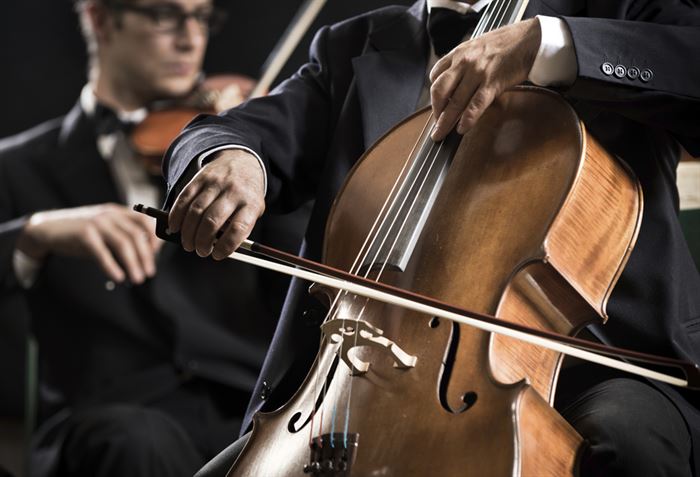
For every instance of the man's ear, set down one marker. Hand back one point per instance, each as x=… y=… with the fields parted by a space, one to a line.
x=100 y=20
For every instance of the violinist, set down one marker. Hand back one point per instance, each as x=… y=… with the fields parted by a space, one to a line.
x=141 y=374
x=622 y=64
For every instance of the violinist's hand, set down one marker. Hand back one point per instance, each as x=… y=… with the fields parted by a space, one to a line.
x=229 y=188
x=121 y=241
x=467 y=79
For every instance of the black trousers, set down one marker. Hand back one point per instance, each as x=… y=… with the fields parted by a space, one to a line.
x=173 y=435
x=631 y=429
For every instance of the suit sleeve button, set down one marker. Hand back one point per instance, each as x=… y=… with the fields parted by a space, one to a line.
x=633 y=73
x=646 y=75
x=607 y=68
x=620 y=71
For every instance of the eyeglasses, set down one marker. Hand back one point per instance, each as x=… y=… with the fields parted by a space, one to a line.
x=168 y=18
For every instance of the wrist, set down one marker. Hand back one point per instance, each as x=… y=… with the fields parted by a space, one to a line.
x=31 y=239
x=533 y=39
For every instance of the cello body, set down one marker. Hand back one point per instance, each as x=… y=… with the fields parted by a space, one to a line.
x=533 y=223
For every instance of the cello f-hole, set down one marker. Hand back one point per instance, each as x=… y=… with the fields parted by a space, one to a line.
x=291 y=425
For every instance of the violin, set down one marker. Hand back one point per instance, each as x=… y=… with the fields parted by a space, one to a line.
x=151 y=137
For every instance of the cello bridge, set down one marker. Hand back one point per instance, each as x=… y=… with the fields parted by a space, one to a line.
x=351 y=334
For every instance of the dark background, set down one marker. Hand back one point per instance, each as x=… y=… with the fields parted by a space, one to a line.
x=44 y=62
x=44 y=68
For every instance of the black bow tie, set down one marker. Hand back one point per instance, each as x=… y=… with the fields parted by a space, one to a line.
x=107 y=121
x=447 y=28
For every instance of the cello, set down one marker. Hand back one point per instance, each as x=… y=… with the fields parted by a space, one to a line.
x=429 y=386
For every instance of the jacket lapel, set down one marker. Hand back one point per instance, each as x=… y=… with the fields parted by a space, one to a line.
x=81 y=175
x=389 y=79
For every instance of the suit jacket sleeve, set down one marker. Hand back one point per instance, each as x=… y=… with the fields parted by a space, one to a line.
x=661 y=36
x=288 y=129
x=10 y=228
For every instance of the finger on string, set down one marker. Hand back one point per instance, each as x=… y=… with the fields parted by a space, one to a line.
x=479 y=103
x=461 y=97
x=442 y=89
x=440 y=66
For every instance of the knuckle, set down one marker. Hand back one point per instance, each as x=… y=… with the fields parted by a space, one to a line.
x=240 y=227
x=91 y=231
x=197 y=207
x=210 y=223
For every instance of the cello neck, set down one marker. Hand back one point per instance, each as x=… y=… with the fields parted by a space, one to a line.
x=499 y=13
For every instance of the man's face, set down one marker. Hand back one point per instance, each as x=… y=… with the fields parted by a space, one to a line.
x=150 y=48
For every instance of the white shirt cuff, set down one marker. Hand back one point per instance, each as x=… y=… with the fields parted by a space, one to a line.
x=202 y=157
x=555 y=63
x=26 y=268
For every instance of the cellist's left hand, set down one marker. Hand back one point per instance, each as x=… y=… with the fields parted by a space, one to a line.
x=467 y=79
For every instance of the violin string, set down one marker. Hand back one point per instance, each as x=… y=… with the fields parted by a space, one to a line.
x=366 y=246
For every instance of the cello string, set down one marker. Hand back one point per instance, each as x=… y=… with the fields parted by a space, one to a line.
x=503 y=11
x=376 y=226
x=385 y=260
x=484 y=20
x=498 y=8
x=491 y=20
x=497 y=20
x=421 y=158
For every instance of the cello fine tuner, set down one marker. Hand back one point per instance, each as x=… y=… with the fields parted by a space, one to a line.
x=332 y=454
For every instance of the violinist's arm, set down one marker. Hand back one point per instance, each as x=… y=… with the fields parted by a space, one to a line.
x=119 y=240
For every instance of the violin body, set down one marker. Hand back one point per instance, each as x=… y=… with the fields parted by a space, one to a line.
x=533 y=223
x=152 y=136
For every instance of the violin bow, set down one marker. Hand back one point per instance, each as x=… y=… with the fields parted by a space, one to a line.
x=310 y=270
x=286 y=45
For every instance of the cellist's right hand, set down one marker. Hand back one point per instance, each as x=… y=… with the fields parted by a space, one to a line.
x=229 y=188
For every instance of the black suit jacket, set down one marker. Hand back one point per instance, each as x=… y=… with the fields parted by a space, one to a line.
x=365 y=74
x=194 y=318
